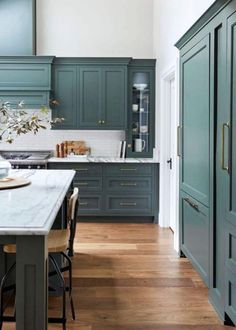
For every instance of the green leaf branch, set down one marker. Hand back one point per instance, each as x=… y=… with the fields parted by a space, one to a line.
x=15 y=122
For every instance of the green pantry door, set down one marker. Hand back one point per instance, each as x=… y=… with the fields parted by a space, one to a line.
x=229 y=165
x=195 y=160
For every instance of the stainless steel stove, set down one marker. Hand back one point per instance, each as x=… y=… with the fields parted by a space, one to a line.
x=27 y=159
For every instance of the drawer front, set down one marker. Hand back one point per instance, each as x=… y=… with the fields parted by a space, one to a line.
x=128 y=170
x=129 y=205
x=133 y=184
x=82 y=170
x=195 y=233
x=90 y=204
x=88 y=184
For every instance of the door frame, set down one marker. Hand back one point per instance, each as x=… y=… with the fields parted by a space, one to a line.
x=171 y=73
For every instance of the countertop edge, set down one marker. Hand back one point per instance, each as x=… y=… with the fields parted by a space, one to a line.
x=41 y=231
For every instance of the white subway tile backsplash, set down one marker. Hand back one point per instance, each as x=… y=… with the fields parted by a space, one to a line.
x=102 y=143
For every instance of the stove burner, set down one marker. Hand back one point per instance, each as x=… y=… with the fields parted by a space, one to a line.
x=15 y=156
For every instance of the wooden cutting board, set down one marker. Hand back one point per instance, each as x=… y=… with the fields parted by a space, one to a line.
x=10 y=183
x=78 y=147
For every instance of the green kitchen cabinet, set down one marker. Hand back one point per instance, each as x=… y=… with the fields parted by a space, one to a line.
x=229 y=167
x=65 y=92
x=195 y=227
x=25 y=78
x=90 y=97
x=116 y=190
x=100 y=88
x=141 y=108
x=195 y=116
x=18 y=27
x=207 y=148
x=114 y=102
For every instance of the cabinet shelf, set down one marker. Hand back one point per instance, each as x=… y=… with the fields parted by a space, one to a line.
x=142 y=112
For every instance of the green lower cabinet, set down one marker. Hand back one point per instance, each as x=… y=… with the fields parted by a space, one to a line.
x=195 y=234
x=129 y=205
x=133 y=192
x=90 y=204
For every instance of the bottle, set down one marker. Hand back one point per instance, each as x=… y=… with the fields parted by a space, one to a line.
x=57 y=151
x=72 y=152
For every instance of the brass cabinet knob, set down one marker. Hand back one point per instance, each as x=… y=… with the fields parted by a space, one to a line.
x=103 y=121
x=129 y=145
x=99 y=122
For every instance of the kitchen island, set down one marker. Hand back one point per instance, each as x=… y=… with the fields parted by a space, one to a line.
x=26 y=217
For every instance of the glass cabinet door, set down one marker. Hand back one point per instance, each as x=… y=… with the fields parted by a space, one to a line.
x=140 y=113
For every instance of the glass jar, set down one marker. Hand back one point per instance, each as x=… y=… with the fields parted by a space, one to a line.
x=5 y=167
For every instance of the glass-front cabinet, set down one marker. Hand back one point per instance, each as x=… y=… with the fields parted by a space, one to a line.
x=141 y=108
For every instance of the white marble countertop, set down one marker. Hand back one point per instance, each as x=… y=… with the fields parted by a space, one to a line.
x=91 y=159
x=31 y=210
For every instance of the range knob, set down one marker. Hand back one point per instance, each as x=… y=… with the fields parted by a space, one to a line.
x=29 y=167
x=38 y=167
x=17 y=166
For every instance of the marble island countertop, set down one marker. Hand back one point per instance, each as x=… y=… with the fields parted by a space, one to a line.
x=100 y=159
x=31 y=210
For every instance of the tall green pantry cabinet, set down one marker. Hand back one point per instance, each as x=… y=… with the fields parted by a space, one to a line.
x=207 y=151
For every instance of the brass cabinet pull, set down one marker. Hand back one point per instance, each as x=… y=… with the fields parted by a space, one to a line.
x=81 y=169
x=128 y=184
x=223 y=166
x=128 y=169
x=178 y=141
x=128 y=204
x=83 y=183
x=83 y=204
x=195 y=206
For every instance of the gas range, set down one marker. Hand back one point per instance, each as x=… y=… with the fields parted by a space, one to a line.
x=27 y=159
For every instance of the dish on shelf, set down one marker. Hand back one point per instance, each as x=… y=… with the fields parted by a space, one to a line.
x=140 y=87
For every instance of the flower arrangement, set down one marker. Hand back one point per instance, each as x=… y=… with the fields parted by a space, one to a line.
x=15 y=122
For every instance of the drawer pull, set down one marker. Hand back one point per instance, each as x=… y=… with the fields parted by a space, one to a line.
x=83 y=183
x=81 y=169
x=193 y=205
x=83 y=204
x=128 y=204
x=129 y=184
x=128 y=169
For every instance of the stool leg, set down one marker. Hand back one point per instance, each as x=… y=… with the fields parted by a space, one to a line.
x=64 y=290
x=70 y=285
x=3 y=282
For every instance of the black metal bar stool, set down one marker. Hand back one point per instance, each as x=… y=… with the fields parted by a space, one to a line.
x=60 y=242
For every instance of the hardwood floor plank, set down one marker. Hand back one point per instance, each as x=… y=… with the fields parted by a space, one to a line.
x=128 y=277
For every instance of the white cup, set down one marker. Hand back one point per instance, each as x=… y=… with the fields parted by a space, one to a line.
x=143 y=129
x=135 y=107
x=139 y=145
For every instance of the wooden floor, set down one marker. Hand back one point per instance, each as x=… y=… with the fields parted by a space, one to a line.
x=129 y=277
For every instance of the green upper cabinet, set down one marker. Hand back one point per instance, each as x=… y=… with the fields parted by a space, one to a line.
x=141 y=108
x=114 y=109
x=90 y=97
x=65 y=92
x=18 y=27
x=25 y=78
x=195 y=119
x=100 y=89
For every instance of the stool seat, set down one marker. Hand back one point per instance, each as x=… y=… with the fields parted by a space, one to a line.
x=57 y=242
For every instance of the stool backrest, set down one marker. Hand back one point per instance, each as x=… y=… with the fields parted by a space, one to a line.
x=72 y=217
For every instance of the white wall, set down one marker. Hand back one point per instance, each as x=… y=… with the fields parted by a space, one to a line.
x=93 y=28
